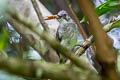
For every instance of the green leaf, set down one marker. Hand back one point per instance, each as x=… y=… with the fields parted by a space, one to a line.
x=3 y=39
x=110 y=26
x=105 y=7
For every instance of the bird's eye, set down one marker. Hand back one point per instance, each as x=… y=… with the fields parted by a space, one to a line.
x=64 y=15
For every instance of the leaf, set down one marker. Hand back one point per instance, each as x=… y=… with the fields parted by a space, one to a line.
x=105 y=7
x=3 y=39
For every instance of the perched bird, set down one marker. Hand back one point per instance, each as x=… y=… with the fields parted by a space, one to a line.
x=67 y=32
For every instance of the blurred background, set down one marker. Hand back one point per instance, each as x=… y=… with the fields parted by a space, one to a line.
x=16 y=46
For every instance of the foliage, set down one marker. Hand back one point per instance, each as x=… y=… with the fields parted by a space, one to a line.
x=106 y=7
x=41 y=69
x=3 y=39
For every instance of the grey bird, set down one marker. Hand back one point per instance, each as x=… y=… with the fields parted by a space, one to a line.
x=67 y=32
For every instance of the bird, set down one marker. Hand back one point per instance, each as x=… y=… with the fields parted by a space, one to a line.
x=67 y=32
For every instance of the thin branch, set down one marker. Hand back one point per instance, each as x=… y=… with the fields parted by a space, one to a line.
x=39 y=14
x=74 y=17
x=87 y=43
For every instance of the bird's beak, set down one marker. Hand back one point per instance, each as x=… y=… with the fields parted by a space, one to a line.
x=51 y=17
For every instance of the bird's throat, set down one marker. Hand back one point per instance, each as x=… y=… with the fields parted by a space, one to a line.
x=62 y=20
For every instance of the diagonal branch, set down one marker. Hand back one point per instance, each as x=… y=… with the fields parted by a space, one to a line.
x=74 y=17
x=39 y=14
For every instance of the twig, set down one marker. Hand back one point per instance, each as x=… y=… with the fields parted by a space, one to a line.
x=87 y=43
x=74 y=17
x=39 y=14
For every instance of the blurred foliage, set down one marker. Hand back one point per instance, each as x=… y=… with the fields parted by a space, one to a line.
x=105 y=7
x=3 y=23
x=3 y=6
x=15 y=42
x=3 y=39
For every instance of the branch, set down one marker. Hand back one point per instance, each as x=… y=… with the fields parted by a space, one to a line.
x=105 y=53
x=39 y=14
x=89 y=41
x=74 y=17
x=44 y=70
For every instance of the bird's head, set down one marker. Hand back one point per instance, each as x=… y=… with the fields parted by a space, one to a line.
x=61 y=14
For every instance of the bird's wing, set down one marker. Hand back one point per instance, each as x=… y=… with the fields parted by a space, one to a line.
x=59 y=32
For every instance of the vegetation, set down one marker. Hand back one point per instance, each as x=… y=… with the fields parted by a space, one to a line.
x=24 y=31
